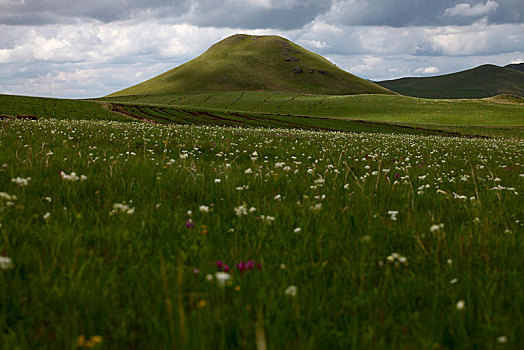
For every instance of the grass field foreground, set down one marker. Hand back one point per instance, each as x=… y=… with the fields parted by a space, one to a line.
x=135 y=235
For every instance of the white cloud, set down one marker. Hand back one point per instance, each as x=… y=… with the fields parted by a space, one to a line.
x=96 y=42
x=317 y=44
x=92 y=58
x=427 y=70
x=367 y=66
x=476 y=39
x=479 y=38
x=517 y=61
x=466 y=10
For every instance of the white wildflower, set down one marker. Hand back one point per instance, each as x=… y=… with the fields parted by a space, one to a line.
x=397 y=259
x=291 y=291
x=461 y=305
x=72 y=177
x=223 y=278
x=502 y=339
x=21 y=181
x=7 y=196
x=435 y=228
x=316 y=207
x=267 y=218
x=241 y=210
x=393 y=214
x=6 y=263
x=122 y=208
x=204 y=209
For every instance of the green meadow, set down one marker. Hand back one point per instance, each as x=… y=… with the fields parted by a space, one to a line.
x=119 y=235
x=383 y=108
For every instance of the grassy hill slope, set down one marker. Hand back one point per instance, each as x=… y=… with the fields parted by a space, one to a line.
x=479 y=82
x=516 y=66
x=256 y=63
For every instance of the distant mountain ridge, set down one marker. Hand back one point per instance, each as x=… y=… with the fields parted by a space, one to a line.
x=479 y=82
x=516 y=66
x=257 y=63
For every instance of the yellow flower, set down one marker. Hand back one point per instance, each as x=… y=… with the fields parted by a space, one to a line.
x=96 y=339
x=203 y=230
x=81 y=340
x=202 y=303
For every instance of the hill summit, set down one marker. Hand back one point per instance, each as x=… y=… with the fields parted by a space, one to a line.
x=257 y=63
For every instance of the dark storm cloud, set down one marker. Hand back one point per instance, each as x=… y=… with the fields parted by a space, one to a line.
x=282 y=14
x=276 y=14
x=38 y=12
x=404 y=13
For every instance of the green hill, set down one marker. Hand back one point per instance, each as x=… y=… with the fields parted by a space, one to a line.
x=516 y=66
x=480 y=82
x=256 y=63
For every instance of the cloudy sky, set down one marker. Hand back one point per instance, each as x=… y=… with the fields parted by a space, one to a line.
x=71 y=48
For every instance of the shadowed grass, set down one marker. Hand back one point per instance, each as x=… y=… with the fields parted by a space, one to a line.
x=137 y=277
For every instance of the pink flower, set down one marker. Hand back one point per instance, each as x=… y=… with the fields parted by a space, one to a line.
x=189 y=224
x=221 y=266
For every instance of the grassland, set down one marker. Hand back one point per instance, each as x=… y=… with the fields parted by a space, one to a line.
x=365 y=241
x=382 y=108
x=11 y=105
x=496 y=117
